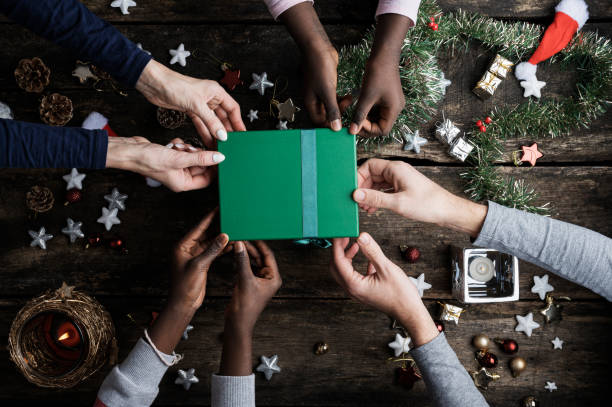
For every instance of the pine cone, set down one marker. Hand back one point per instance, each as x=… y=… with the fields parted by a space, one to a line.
x=170 y=119
x=32 y=75
x=39 y=199
x=55 y=109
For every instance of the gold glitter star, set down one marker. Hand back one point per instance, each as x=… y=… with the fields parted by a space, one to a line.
x=482 y=378
x=83 y=72
x=287 y=110
x=552 y=311
x=65 y=291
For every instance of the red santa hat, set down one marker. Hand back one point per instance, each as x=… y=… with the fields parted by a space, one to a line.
x=96 y=121
x=570 y=16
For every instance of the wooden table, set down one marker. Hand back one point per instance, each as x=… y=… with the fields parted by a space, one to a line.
x=574 y=175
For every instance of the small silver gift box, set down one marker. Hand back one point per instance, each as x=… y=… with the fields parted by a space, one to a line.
x=483 y=275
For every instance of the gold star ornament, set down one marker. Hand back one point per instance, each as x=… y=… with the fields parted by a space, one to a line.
x=482 y=378
x=287 y=110
x=65 y=291
x=552 y=311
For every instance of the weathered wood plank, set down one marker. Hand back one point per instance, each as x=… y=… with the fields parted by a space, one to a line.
x=157 y=218
x=355 y=371
x=193 y=11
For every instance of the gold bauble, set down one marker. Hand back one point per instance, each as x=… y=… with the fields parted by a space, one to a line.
x=517 y=365
x=481 y=341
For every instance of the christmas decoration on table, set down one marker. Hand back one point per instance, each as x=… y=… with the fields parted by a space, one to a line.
x=508 y=346
x=483 y=377
x=61 y=338
x=526 y=324
x=432 y=24
x=73 y=195
x=460 y=148
x=447 y=131
x=252 y=115
x=83 y=73
x=5 y=112
x=231 y=77
x=188 y=329
x=444 y=83
x=541 y=286
x=286 y=109
x=97 y=121
x=282 y=125
x=557 y=343
x=123 y=5
x=409 y=253
x=408 y=374
x=109 y=218
x=55 y=109
x=483 y=275
x=412 y=140
x=260 y=83
x=179 y=55
x=40 y=238
x=116 y=200
x=32 y=75
x=74 y=179
x=517 y=365
x=420 y=284
x=530 y=155
x=550 y=386
x=495 y=73
x=481 y=342
x=320 y=348
x=186 y=378
x=450 y=312
x=139 y=46
x=303 y=164
x=268 y=366
x=552 y=311
x=39 y=199
x=486 y=359
x=570 y=16
x=73 y=230
x=530 y=401
x=170 y=119
x=400 y=345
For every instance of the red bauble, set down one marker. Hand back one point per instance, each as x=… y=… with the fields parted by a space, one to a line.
x=479 y=123
x=115 y=243
x=407 y=376
x=486 y=359
x=509 y=346
x=411 y=254
x=94 y=240
x=73 y=195
x=435 y=27
x=482 y=129
x=488 y=120
x=439 y=326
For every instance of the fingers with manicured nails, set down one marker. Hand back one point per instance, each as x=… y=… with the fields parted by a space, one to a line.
x=199 y=159
x=202 y=131
x=204 y=260
x=372 y=251
x=364 y=105
x=232 y=108
x=241 y=257
x=212 y=122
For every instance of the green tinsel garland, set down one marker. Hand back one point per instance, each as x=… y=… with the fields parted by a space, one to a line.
x=589 y=53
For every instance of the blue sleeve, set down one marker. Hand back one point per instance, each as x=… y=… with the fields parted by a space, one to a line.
x=29 y=145
x=71 y=25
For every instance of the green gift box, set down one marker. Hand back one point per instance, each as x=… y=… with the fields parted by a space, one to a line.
x=288 y=184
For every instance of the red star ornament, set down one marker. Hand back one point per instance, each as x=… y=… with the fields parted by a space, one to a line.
x=530 y=154
x=231 y=78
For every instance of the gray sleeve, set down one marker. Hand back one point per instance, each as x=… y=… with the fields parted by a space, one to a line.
x=134 y=383
x=448 y=382
x=572 y=252
x=233 y=391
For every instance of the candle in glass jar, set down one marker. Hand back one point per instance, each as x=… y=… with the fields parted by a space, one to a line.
x=68 y=335
x=482 y=269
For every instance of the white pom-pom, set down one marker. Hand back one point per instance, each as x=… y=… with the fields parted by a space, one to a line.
x=95 y=121
x=576 y=9
x=525 y=71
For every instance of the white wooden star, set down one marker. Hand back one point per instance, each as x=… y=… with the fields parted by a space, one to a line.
x=139 y=46
x=109 y=218
x=186 y=332
x=282 y=125
x=550 y=386
x=73 y=230
x=541 y=286
x=557 y=343
x=74 y=179
x=443 y=83
x=252 y=115
x=116 y=199
x=420 y=284
x=268 y=366
x=412 y=140
x=179 y=55
x=526 y=324
x=186 y=378
x=123 y=5
x=400 y=345
x=83 y=72
x=40 y=238
x=260 y=83
x=532 y=87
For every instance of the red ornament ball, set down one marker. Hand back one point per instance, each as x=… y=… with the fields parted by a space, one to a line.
x=434 y=27
x=439 y=326
x=488 y=120
x=73 y=195
x=486 y=359
x=479 y=123
x=411 y=254
x=115 y=243
x=509 y=346
x=482 y=128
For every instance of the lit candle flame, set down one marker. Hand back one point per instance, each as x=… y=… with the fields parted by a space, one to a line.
x=64 y=336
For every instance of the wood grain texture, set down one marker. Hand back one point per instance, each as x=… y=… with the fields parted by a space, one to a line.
x=355 y=371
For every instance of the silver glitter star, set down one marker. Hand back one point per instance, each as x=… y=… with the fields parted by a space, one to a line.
x=186 y=378
x=260 y=82
x=109 y=218
x=40 y=238
x=179 y=55
x=412 y=140
x=550 y=386
x=74 y=179
x=253 y=115
x=541 y=286
x=73 y=230
x=123 y=5
x=186 y=332
x=116 y=199
x=282 y=125
x=268 y=366
x=443 y=83
x=557 y=343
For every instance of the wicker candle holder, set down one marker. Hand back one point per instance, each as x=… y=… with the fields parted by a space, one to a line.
x=61 y=338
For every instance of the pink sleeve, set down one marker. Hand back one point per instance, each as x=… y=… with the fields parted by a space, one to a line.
x=278 y=7
x=408 y=8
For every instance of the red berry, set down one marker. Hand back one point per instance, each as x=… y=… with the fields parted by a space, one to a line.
x=430 y=25
x=435 y=27
x=482 y=128
x=73 y=195
x=433 y=20
x=488 y=120
x=411 y=254
x=479 y=123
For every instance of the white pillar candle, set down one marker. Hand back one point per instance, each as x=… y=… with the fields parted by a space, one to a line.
x=482 y=269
